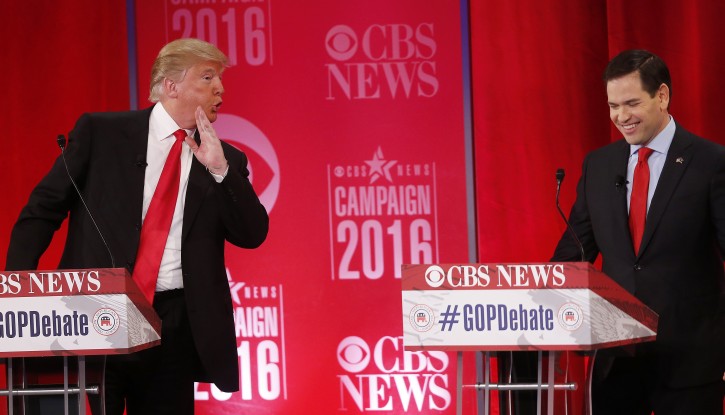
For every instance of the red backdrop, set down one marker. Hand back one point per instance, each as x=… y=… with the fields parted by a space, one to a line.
x=61 y=59
x=539 y=103
x=321 y=121
x=343 y=111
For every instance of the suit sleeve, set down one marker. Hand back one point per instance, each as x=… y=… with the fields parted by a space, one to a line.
x=245 y=219
x=49 y=202
x=717 y=203
x=580 y=218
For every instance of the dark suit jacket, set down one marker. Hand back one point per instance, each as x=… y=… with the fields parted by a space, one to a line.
x=106 y=155
x=679 y=269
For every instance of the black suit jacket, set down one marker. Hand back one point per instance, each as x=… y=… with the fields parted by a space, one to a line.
x=106 y=155
x=678 y=271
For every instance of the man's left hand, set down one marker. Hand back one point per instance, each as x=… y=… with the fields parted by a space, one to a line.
x=209 y=152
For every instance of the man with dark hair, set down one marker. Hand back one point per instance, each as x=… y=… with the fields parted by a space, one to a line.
x=662 y=238
x=166 y=218
x=652 y=70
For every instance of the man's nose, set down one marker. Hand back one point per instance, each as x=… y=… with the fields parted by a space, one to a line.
x=623 y=115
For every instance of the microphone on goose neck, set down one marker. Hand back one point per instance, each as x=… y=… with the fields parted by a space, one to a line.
x=61 y=143
x=559 y=180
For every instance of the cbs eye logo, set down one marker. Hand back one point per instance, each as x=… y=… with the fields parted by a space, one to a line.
x=263 y=166
x=353 y=354
x=341 y=43
x=435 y=276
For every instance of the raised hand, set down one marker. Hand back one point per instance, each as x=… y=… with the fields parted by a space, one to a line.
x=209 y=152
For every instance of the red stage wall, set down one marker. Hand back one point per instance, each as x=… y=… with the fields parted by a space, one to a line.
x=353 y=119
x=61 y=59
x=352 y=114
x=539 y=102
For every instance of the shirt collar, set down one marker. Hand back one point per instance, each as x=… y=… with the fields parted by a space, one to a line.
x=661 y=142
x=161 y=125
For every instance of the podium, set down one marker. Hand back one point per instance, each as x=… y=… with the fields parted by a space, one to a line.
x=542 y=307
x=70 y=313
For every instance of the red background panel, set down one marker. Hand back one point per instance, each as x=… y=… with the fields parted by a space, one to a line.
x=537 y=104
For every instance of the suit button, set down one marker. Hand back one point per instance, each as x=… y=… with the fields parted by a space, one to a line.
x=138 y=226
x=638 y=267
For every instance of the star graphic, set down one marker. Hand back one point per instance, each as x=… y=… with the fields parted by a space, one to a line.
x=380 y=167
x=234 y=288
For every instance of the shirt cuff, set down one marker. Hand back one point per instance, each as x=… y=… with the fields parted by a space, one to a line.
x=219 y=177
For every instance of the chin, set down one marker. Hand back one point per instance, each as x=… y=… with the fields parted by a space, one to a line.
x=633 y=139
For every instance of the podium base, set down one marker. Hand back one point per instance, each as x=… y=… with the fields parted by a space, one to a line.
x=526 y=383
x=49 y=405
x=33 y=386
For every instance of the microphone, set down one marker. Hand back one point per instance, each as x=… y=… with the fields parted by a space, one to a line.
x=61 y=143
x=559 y=179
x=620 y=181
x=141 y=160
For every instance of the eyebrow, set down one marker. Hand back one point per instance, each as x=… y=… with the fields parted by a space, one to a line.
x=629 y=101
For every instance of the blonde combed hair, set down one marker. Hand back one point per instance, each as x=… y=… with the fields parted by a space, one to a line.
x=178 y=56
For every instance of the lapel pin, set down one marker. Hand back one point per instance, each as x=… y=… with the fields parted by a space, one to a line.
x=679 y=160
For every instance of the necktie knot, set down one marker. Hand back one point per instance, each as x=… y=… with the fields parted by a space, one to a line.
x=181 y=135
x=644 y=154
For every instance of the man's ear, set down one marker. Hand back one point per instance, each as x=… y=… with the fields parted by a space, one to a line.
x=663 y=94
x=170 y=88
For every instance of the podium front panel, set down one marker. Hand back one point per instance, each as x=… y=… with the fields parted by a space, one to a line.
x=543 y=306
x=74 y=312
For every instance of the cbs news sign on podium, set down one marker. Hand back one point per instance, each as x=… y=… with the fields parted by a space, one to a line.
x=74 y=312
x=531 y=306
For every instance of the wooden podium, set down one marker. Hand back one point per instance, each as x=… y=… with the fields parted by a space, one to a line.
x=542 y=307
x=70 y=313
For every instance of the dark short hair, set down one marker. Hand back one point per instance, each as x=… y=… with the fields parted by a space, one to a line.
x=652 y=70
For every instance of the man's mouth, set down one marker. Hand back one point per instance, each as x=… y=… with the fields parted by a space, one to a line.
x=629 y=127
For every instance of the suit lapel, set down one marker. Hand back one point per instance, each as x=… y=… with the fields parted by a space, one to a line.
x=678 y=158
x=199 y=181
x=138 y=135
x=619 y=198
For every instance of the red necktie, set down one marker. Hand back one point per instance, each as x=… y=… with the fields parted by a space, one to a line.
x=638 y=199
x=156 y=224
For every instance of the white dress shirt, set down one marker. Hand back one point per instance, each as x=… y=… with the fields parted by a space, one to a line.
x=160 y=140
x=656 y=161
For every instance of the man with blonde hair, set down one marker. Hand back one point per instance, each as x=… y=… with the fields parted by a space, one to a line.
x=166 y=194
